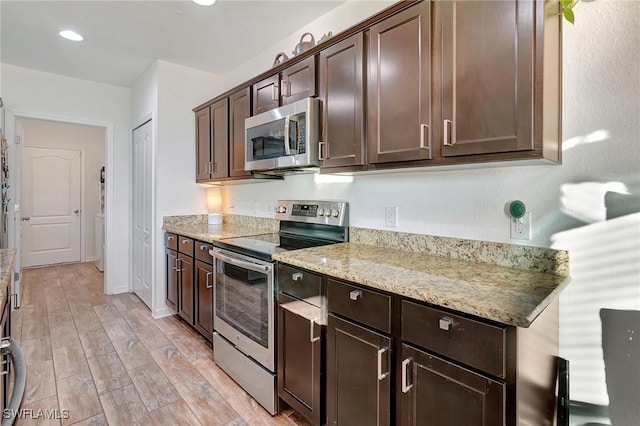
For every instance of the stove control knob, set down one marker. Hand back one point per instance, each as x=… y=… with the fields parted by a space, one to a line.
x=320 y=212
x=281 y=209
x=335 y=213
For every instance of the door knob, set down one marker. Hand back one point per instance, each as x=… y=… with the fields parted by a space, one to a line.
x=25 y=218
x=76 y=211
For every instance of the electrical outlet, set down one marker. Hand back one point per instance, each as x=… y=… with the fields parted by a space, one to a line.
x=521 y=228
x=391 y=217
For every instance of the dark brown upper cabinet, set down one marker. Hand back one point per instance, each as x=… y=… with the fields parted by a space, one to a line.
x=342 y=93
x=239 y=110
x=294 y=83
x=486 y=58
x=399 y=88
x=212 y=141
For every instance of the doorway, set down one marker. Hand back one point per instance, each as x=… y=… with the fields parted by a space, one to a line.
x=60 y=191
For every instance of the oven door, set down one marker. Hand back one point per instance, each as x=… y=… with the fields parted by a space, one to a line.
x=244 y=304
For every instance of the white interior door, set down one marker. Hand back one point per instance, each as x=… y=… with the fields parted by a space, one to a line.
x=142 y=213
x=50 y=209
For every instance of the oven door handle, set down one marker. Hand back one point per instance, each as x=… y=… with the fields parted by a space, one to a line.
x=242 y=263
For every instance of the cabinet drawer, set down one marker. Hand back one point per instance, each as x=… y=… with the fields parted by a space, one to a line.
x=300 y=284
x=171 y=241
x=202 y=252
x=365 y=306
x=470 y=342
x=185 y=245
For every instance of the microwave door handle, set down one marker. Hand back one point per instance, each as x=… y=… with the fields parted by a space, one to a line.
x=242 y=263
x=287 y=126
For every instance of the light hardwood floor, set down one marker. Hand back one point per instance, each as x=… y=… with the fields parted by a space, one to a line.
x=107 y=361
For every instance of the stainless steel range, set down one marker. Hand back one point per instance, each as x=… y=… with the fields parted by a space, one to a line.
x=245 y=291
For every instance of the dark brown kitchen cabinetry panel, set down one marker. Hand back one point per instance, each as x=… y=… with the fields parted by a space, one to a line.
x=239 y=110
x=436 y=392
x=342 y=93
x=266 y=94
x=298 y=81
x=301 y=359
x=203 y=144
x=358 y=375
x=204 y=299
x=487 y=76
x=399 y=87
x=294 y=83
x=171 y=264
x=185 y=287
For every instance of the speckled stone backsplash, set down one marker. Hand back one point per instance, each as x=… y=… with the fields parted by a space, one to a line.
x=534 y=259
x=262 y=223
x=259 y=223
x=192 y=219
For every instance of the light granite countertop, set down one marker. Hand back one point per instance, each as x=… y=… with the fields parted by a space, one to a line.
x=212 y=233
x=7 y=257
x=503 y=294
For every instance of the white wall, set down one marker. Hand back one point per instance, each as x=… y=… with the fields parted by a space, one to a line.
x=36 y=94
x=89 y=140
x=167 y=93
x=601 y=92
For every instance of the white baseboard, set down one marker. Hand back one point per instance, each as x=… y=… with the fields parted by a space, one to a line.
x=163 y=312
x=121 y=289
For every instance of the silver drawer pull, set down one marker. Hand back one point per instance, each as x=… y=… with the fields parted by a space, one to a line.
x=185 y=241
x=297 y=276
x=355 y=295
x=381 y=375
x=209 y=274
x=312 y=338
x=405 y=368
x=445 y=323
x=170 y=238
x=203 y=247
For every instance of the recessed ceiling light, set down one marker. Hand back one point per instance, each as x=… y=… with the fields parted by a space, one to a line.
x=71 y=35
x=204 y=2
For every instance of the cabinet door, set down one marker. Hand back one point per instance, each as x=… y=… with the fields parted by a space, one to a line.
x=220 y=139
x=203 y=144
x=185 y=294
x=358 y=380
x=204 y=299
x=299 y=81
x=239 y=109
x=399 y=86
x=435 y=392
x=300 y=363
x=266 y=94
x=342 y=95
x=486 y=76
x=172 y=278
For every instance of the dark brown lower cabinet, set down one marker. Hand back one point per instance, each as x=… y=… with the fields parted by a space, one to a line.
x=172 y=277
x=204 y=299
x=435 y=392
x=358 y=379
x=185 y=293
x=300 y=362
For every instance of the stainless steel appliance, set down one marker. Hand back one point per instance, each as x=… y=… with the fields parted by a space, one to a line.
x=284 y=138
x=245 y=291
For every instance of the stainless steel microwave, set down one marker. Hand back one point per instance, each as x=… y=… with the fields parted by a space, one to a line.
x=284 y=138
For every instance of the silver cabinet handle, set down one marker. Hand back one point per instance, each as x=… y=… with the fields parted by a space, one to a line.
x=274 y=93
x=297 y=276
x=312 y=338
x=203 y=247
x=381 y=375
x=445 y=323
x=209 y=167
x=185 y=241
x=176 y=268
x=286 y=88
x=170 y=238
x=321 y=144
x=405 y=368
x=25 y=218
x=355 y=295
x=448 y=133
x=425 y=136
x=209 y=274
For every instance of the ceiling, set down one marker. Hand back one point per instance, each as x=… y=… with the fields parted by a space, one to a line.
x=122 y=38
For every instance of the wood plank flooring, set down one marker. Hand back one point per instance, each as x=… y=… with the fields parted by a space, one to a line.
x=107 y=361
